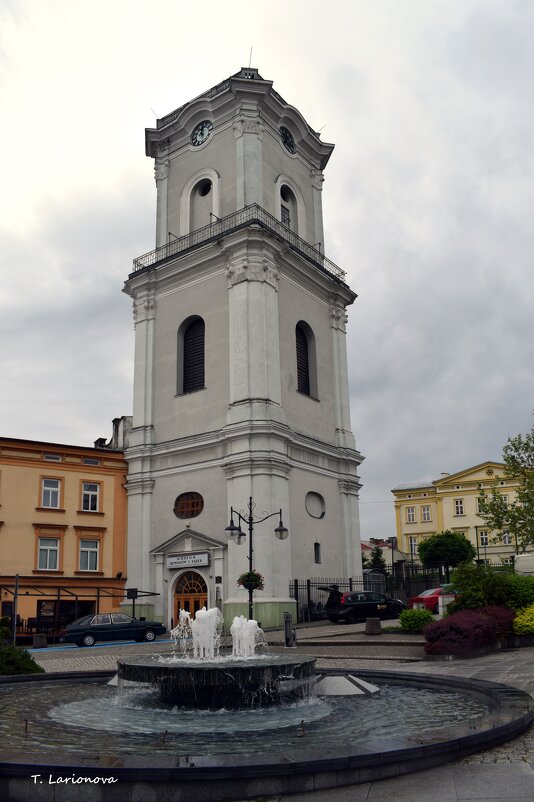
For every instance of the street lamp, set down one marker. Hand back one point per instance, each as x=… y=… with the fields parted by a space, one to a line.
x=236 y=533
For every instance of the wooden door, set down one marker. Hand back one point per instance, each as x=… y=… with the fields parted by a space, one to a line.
x=191 y=594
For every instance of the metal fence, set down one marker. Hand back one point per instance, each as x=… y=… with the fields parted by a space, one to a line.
x=311 y=594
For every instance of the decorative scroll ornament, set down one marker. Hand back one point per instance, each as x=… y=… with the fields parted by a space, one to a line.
x=252 y=269
x=338 y=317
x=317 y=179
x=144 y=309
x=161 y=170
x=248 y=125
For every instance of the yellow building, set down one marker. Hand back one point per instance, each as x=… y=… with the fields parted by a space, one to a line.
x=424 y=508
x=62 y=531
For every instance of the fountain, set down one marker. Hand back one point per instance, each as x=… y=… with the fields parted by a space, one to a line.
x=206 y=680
x=202 y=725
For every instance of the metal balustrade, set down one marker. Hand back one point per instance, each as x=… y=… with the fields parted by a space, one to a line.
x=247 y=216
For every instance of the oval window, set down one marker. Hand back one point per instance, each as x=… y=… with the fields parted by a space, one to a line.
x=188 y=505
x=315 y=505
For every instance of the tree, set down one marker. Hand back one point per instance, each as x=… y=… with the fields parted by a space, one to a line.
x=446 y=548
x=515 y=517
x=376 y=558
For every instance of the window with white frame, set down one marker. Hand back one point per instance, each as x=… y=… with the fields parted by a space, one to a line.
x=505 y=501
x=484 y=538
x=458 y=506
x=507 y=538
x=410 y=515
x=479 y=505
x=50 y=493
x=508 y=561
x=90 y=496
x=88 y=555
x=425 y=513
x=48 y=553
x=413 y=545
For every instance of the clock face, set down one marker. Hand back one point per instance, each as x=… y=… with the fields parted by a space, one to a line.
x=287 y=139
x=201 y=132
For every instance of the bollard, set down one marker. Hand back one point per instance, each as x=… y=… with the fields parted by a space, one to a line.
x=373 y=626
x=289 y=632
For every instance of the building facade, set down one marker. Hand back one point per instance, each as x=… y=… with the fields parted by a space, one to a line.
x=451 y=502
x=62 y=531
x=240 y=378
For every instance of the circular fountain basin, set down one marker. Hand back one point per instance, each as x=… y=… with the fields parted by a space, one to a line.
x=80 y=726
x=223 y=682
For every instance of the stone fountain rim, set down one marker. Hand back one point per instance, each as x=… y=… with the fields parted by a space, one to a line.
x=215 y=777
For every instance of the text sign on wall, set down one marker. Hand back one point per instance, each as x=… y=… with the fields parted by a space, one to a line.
x=188 y=560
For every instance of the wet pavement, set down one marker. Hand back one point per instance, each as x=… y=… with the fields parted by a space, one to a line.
x=503 y=774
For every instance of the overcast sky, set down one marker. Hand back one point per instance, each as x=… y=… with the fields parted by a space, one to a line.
x=428 y=204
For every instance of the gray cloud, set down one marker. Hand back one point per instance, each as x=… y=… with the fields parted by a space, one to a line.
x=427 y=203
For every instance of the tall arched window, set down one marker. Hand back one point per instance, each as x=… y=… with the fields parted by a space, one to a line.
x=306 y=360
x=201 y=204
x=190 y=373
x=288 y=208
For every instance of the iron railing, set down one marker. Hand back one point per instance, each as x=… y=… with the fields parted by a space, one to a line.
x=247 y=216
x=311 y=594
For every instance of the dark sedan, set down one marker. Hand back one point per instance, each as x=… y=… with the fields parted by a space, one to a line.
x=362 y=604
x=110 y=626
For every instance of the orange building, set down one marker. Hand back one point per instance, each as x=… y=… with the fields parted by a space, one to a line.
x=62 y=532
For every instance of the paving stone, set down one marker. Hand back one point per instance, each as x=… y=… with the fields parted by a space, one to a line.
x=503 y=774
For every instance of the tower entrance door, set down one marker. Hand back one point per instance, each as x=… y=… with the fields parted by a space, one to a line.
x=190 y=594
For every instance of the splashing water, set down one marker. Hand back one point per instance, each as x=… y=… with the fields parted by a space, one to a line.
x=181 y=634
x=201 y=636
x=246 y=636
x=206 y=633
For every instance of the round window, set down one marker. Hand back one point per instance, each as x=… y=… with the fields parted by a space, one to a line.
x=188 y=505
x=315 y=505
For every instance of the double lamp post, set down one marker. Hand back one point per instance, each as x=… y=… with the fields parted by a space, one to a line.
x=236 y=533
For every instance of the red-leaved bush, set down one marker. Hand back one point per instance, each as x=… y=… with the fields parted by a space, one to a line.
x=503 y=617
x=467 y=630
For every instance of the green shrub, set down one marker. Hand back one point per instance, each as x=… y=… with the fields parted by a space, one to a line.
x=478 y=586
x=415 y=620
x=5 y=633
x=524 y=621
x=520 y=591
x=16 y=660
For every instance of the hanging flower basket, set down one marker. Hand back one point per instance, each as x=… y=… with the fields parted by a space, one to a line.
x=251 y=580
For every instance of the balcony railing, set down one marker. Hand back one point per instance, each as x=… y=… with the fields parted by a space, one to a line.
x=249 y=215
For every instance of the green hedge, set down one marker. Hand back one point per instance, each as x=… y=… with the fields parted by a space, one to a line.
x=479 y=586
x=16 y=660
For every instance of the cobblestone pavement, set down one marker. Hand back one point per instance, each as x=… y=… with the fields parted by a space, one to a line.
x=505 y=773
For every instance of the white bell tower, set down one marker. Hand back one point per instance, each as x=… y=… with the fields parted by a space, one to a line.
x=240 y=382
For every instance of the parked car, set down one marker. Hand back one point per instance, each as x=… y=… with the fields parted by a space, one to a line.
x=361 y=604
x=430 y=598
x=87 y=630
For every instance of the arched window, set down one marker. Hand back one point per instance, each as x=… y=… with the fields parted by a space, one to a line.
x=201 y=204
x=288 y=208
x=306 y=361
x=190 y=373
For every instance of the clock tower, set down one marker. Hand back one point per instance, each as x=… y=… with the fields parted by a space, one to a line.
x=240 y=377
